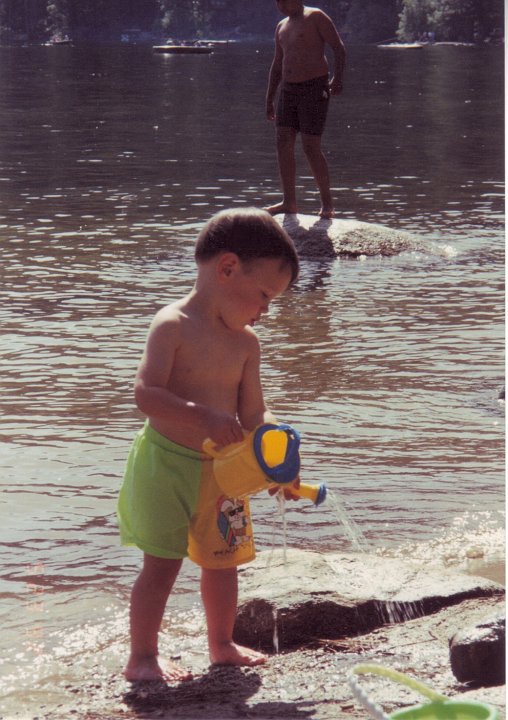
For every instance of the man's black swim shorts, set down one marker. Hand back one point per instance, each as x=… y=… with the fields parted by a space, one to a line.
x=303 y=106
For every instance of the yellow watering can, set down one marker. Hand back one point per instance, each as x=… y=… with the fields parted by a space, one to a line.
x=268 y=457
x=440 y=707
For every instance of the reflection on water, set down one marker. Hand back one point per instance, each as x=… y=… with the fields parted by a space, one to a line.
x=110 y=161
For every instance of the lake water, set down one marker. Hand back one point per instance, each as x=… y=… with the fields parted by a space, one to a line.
x=111 y=159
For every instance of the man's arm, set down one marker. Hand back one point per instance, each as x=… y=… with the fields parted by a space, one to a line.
x=331 y=37
x=274 y=78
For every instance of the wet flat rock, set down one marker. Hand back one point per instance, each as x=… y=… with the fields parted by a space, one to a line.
x=312 y=595
x=319 y=237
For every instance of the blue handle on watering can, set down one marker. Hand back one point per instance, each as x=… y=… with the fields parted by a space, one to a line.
x=289 y=468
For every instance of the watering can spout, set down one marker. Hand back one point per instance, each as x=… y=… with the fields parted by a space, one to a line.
x=315 y=493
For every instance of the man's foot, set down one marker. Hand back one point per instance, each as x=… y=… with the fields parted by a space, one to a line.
x=149 y=669
x=281 y=208
x=232 y=654
x=327 y=213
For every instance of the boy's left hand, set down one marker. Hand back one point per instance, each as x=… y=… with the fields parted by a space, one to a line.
x=288 y=495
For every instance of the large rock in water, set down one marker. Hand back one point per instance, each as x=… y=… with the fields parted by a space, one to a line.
x=318 y=237
x=286 y=604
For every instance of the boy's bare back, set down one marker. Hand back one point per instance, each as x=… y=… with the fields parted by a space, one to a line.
x=302 y=42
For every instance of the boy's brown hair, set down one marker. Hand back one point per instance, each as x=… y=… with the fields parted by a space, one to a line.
x=250 y=233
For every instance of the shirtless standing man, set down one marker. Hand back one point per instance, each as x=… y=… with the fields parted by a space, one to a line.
x=300 y=65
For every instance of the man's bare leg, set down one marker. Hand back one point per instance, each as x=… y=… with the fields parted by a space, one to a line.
x=317 y=161
x=286 y=138
x=148 y=601
x=219 y=590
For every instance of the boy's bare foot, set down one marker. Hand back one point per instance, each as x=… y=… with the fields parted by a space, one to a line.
x=282 y=207
x=148 y=668
x=232 y=654
x=327 y=213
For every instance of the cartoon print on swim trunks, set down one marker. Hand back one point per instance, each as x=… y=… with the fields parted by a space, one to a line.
x=232 y=521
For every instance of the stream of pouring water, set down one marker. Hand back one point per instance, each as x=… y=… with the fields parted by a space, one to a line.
x=358 y=541
x=352 y=531
x=389 y=611
x=280 y=513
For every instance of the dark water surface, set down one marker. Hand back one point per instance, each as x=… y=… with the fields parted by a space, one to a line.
x=111 y=158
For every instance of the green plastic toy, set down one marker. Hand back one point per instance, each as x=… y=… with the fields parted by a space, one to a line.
x=440 y=707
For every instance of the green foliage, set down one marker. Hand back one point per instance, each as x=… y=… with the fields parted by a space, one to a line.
x=360 y=20
x=372 y=20
x=188 y=18
x=57 y=21
x=451 y=20
x=415 y=19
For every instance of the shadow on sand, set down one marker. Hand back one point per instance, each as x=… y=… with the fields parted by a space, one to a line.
x=221 y=693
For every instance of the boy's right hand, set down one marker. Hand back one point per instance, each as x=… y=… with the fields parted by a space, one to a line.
x=224 y=429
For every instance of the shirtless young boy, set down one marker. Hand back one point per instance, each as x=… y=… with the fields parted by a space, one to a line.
x=199 y=378
x=300 y=65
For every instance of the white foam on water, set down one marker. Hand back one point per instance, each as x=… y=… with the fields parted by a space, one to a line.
x=473 y=543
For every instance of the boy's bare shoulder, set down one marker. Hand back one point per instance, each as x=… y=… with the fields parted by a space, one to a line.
x=174 y=323
x=172 y=313
x=168 y=321
x=246 y=343
x=251 y=338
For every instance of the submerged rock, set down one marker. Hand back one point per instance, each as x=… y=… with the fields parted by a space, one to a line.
x=288 y=604
x=477 y=653
x=319 y=237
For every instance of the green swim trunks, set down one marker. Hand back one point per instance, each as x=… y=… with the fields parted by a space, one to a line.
x=170 y=506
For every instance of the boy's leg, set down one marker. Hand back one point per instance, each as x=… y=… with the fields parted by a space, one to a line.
x=219 y=590
x=286 y=138
x=148 y=601
x=317 y=161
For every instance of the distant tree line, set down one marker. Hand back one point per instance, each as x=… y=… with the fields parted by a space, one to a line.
x=449 y=20
x=358 y=20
